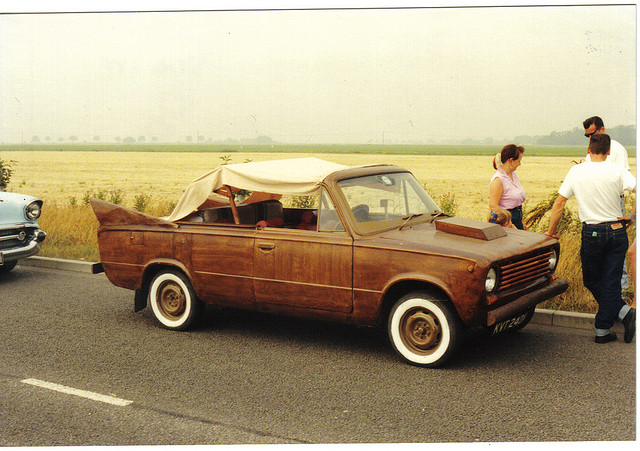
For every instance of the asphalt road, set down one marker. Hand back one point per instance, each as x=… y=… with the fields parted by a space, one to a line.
x=248 y=378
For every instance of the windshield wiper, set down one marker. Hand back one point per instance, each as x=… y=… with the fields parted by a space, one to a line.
x=437 y=215
x=409 y=218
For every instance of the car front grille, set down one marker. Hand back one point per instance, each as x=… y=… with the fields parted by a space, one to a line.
x=524 y=269
x=11 y=238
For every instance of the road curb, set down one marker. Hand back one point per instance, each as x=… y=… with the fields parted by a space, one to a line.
x=542 y=316
x=569 y=319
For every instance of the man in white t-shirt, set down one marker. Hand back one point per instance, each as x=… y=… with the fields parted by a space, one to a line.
x=619 y=156
x=597 y=185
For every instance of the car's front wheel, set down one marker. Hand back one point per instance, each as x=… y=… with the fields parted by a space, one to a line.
x=423 y=330
x=173 y=300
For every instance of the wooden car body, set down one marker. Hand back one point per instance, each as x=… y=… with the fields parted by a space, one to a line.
x=354 y=271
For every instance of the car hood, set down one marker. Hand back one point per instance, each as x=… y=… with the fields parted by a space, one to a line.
x=457 y=242
x=12 y=207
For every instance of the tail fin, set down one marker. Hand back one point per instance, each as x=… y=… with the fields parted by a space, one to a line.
x=112 y=214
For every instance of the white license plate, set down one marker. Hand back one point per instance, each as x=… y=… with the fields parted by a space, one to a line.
x=508 y=324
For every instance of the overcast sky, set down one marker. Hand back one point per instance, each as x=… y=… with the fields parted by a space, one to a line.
x=342 y=76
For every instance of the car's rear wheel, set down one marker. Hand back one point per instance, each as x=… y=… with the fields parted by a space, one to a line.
x=7 y=266
x=173 y=300
x=423 y=330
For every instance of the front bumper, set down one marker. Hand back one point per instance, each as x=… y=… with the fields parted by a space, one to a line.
x=525 y=302
x=31 y=247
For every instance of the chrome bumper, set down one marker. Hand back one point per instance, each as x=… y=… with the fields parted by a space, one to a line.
x=32 y=248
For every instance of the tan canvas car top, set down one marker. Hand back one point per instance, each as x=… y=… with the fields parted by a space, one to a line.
x=290 y=176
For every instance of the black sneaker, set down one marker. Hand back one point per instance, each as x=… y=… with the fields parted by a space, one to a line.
x=629 y=323
x=611 y=336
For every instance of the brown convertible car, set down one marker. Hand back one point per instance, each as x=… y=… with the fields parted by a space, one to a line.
x=364 y=245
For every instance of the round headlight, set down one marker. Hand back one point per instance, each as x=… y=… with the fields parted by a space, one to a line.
x=33 y=210
x=553 y=260
x=491 y=281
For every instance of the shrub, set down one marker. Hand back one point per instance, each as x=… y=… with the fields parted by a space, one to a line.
x=303 y=201
x=6 y=170
x=141 y=202
x=447 y=202
x=116 y=197
x=163 y=208
x=89 y=194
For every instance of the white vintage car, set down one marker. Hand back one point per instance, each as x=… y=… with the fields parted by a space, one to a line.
x=20 y=235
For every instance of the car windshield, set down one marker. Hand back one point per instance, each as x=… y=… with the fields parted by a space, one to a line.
x=395 y=197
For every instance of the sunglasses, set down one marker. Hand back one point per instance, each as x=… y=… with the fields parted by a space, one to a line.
x=588 y=135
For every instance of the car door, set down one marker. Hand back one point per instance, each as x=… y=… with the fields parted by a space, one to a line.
x=305 y=268
x=222 y=259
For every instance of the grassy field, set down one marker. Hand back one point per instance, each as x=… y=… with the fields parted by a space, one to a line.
x=60 y=176
x=65 y=178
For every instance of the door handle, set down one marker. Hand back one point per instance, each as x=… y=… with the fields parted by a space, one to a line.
x=267 y=246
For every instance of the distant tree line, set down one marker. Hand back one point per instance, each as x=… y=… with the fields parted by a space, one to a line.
x=73 y=139
x=154 y=139
x=625 y=134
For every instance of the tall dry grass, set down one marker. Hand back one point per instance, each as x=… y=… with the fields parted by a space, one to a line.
x=72 y=232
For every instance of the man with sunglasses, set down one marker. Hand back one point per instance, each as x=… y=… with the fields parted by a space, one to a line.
x=619 y=156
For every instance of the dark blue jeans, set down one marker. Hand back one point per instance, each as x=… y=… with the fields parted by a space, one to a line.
x=602 y=255
x=516 y=217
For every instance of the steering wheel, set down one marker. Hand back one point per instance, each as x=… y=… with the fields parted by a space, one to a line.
x=361 y=212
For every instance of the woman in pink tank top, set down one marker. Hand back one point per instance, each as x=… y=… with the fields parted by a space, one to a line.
x=506 y=191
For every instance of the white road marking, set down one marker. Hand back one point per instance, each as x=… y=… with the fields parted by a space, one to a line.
x=76 y=392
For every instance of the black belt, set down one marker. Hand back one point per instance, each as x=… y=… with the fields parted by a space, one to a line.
x=519 y=207
x=604 y=224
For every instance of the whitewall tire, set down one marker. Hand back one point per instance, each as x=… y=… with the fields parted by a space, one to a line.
x=173 y=300
x=423 y=330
